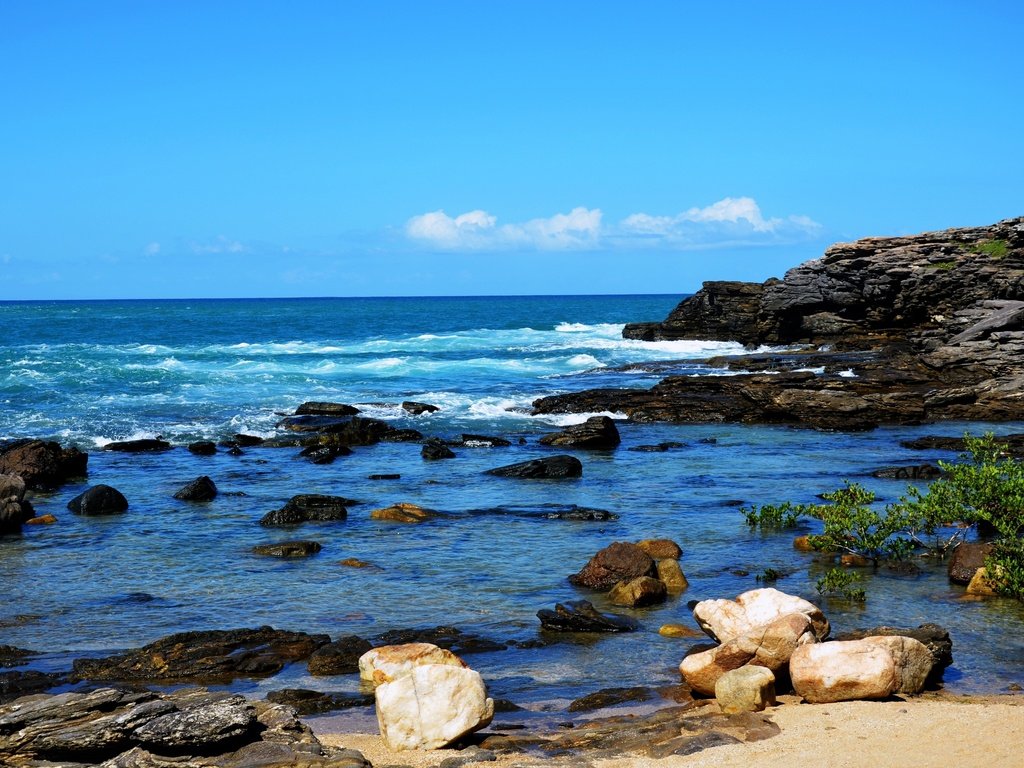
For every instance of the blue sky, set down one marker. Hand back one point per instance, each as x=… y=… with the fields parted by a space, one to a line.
x=194 y=149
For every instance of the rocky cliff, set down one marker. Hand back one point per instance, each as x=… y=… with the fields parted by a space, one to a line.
x=904 y=330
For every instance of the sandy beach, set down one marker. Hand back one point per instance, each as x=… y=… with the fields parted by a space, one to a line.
x=968 y=732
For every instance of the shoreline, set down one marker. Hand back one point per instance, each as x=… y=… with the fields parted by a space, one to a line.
x=933 y=729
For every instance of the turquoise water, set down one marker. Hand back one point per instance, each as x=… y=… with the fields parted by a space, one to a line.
x=92 y=372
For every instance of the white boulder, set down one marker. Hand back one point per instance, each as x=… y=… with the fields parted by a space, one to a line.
x=843 y=671
x=389 y=662
x=431 y=706
x=727 y=619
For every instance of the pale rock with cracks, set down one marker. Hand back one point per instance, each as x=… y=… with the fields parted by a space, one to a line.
x=726 y=619
x=389 y=662
x=432 y=706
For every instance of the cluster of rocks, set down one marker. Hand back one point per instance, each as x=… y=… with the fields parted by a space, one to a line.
x=634 y=575
x=27 y=465
x=769 y=640
x=894 y=330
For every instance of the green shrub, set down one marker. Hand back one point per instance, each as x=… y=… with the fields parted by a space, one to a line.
x=996 y=249
x=772 y=517
x=944 y=266
x=839 y=582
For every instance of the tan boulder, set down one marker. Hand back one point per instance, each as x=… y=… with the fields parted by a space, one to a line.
x=638 y=593
x=432 y=706
x=726 y=619
x=661 y=549
x=672 y=575
x=403 y=512
x=770 y=646
x=981 y=584
x=389 y=662
x=42 y=520
x=843 y=671
x=912 y=658
x=678 y=630
x=747 y=689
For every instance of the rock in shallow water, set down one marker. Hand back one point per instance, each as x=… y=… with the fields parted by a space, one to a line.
x=581 y=616
x=200 y=489
x=99 y=500
x=338 y=658
x=549 y=468
x=42 y=464
x=596 y=433
x=619 y=561
x=308 y=507
x=288 y=549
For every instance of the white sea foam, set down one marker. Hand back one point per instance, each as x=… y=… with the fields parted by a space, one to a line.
x=848 y=374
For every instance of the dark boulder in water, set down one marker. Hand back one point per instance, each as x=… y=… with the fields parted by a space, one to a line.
x=352 y=430
x=307 y=702
x=966 y=559
x=597 y=433
x=200 y=489
x=11 y=656
x=435 y=449
x=338 y=658
x=99 y=500
x=145 y=445
x=384 y=476
x=18 y=683
x=288 y=549
x=42 y=464
x=247 y=441
x=203 y=448
x=324 y=453
x=417 y=409
x=309 y=507
x=620 y=561
x=214 y=655
x=609 y=697
x=658 y=448
x=581 y=616
x=548 y=512
x=316 y=408
x=14 y=510
x=548 y=468
x=914 y=472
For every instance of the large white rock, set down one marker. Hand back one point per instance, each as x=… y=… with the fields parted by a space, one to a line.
x=769 y=646
x=389 y=662
x=727 y=619
x=911 y=657
x=843 y=671
x=432 y=706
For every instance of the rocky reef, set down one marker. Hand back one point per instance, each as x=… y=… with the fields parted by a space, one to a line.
x=899 y=330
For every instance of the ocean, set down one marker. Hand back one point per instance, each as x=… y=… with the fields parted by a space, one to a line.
x=89 y=373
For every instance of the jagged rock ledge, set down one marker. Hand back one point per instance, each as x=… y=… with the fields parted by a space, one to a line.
x=901 y=330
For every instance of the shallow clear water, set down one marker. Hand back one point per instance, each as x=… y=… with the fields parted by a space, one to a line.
x=94 y=372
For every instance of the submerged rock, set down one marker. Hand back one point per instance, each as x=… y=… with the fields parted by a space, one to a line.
x=288 y=549
x=200 y=489
x=213 y=655
x=449 y=638
x=913 y=472
x=581 y=616
x=549 y=468
x=317 y=408
x=435 y=449
x=609 y=697
x=99 y=500
x=638 y=593
x=417 y=409
x=203 y=448
x=308 y=507
x=17 y=683
x=483 y=441
x=404 y=512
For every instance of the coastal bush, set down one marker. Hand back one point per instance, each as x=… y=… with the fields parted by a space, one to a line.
x=944 y=266
x=982 y=492
x=839 y=582
x=996 y=249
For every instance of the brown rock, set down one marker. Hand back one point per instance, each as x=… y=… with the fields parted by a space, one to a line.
x=43 y=464
x=965 y=561
x=803 y=544
x=403 y=512
x=42 y=520
x=670 y=573
x=638 y=593
x=747 y=689
x=661 y=549
x=981 y=584
x=678 y=630
x=620 y=561
x=596 y=433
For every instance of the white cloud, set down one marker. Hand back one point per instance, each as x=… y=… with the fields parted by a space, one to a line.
x=219 y=244
x=478 y=230
x=730 y=221
x=152 y=249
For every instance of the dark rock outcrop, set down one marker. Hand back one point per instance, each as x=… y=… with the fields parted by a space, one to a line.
x=307 y=702
x=130 y=729
x=352 y=430
x=316 y=408
x=309 y=507
x=99 y=500
x=455 y=640
x=483 y=441
x=17 y=683
x=609 y=697
x=913 y=472
x=12 y=656
x=288 y=549
x=145 y=445
x=581 y=616
x=338 y=658
x=549 y=468
x=200 y=489
x=203 y=448
x=1014 y=444
x=324 y=453
x=14 y=510
x=435 y=448
x=208 y=656
x=42 y=464
x=596 y=433
x=417 y=409
x=906 y=330
x=619 y=561
x=966 y=559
